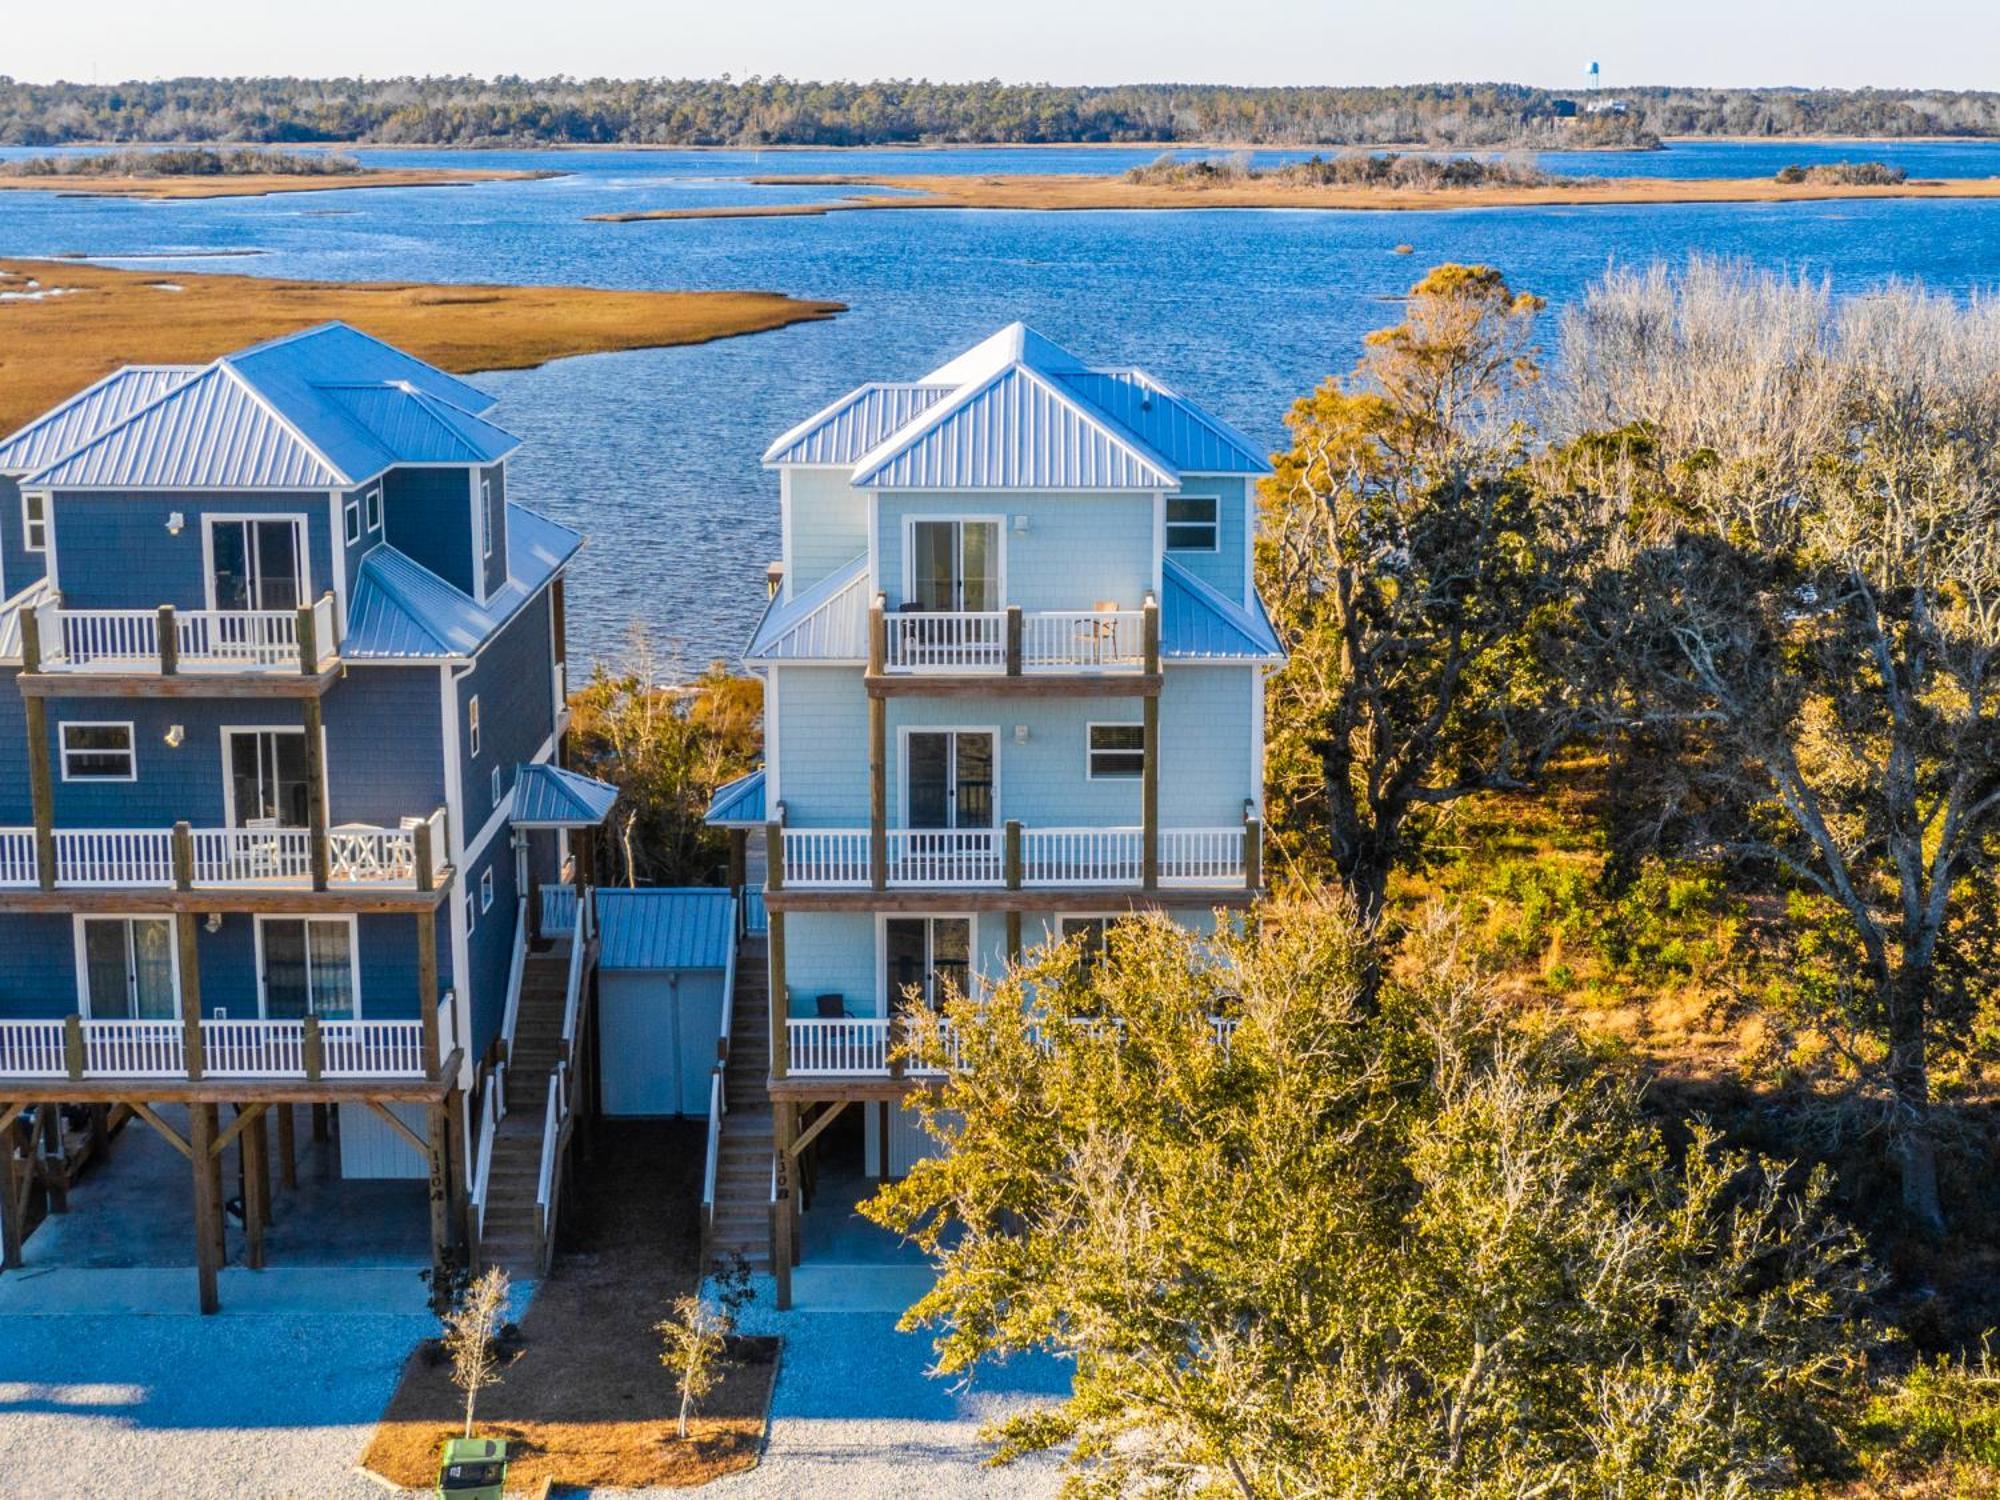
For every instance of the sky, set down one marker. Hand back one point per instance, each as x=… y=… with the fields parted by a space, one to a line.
x=1721 y=43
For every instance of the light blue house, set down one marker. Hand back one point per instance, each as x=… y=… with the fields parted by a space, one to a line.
x=282 y=698
x=1014 y=663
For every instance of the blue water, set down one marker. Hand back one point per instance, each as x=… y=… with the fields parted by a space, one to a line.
x=656 y=453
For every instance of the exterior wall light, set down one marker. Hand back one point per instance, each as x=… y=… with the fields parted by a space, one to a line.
x=1020 y=734
x=175 y=734
x=1020 y=525
x=175 y=521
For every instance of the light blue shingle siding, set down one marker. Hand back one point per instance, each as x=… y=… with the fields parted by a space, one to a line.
x=1206 y=727
x=831 y=953
x=430 y=521
x=113 y=551
x=514 y=681
x=1078 y=549
x=823 y=739
x=37 y=966
x=829 y=525
x=1222 y=569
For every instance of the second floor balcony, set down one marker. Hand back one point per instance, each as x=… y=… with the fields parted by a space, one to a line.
x=409 y=857
x=1103 y=648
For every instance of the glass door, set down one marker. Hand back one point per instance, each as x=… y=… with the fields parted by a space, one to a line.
x=267 y=778
x=955 y=565
x=129 y=969
x=308 y=968
x=949 y=779
x=257 y=564
x=927 y=954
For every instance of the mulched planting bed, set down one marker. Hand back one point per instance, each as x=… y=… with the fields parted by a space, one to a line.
x=586 y=1400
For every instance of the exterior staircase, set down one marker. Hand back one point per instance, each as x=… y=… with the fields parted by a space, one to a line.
x=508 y=1238
x=742 y=1220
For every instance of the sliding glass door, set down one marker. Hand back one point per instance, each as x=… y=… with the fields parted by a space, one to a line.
x=267 y=777
x=926 y=955
x=257 y=563
x=129 y=971
x=308 y=968
x=949 y=780
x=955 y=565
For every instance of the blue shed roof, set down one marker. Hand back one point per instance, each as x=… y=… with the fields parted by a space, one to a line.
x=678 y=928
x=89 y=412
x=399 y=610
x=328 y=406
x=1198 y=623
x=547 y=796
x=1018 y=411
x=738 y=803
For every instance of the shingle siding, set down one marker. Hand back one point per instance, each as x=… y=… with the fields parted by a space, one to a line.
x=1223 y=568
x=114 y=551
x=823 y=742
x=37 y=966
x=430 y=521
x=514 y=681
x=1078 y=550
x=829 y=525
x=490 y=950
x=18 y=566
x=831 y=953
x=494 y=476
x=384 y=745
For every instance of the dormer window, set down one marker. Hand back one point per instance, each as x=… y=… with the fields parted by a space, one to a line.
x=35 y=522
x=373 y=500
x=1193 y=523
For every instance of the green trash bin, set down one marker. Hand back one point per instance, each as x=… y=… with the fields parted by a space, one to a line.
x=473 y=1469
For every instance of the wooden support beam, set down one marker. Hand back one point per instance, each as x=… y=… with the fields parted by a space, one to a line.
x=170 y=641
x=256 y=1165
x=1014 y=622
x=436 y=1156
x=780 y=1002
x=322 y=1132
x=315 y=775
x=457 y=1166
x=41 y=790
x=427 y=989
x=1253 y=851
x=13 y=1222
x=882 y=1140
x=812 y=1132
x=190 y=980
x=1014 y=936
x=245 y=1113
x=163 y=900
x=422 y=1146
x=1049 y=684
x=958 y=900
x=783 y=1124
x=1149 y=799
x=208 y=1246
x=165 y=1131
x=739 y=858
x=288 y=1151
x=878 y=794
x=151 y=684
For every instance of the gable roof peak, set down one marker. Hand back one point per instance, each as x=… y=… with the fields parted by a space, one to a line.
x=1016 y=344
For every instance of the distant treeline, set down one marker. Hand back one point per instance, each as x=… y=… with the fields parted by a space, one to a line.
x=195 y=161
x=779 y=111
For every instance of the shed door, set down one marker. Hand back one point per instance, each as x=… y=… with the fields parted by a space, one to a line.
x=639 y=1050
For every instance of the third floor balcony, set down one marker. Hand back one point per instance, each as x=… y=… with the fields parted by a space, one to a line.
x=171 y=651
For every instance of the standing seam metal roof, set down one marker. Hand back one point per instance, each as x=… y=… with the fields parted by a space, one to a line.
x=665 y=928
x=93 y=410
x=843 y=432
x=547 y=796
x=1200 y=623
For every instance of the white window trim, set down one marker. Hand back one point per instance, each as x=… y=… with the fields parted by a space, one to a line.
x=30 y=526
x=473 y=738
x=999 y=524
x=882 y=920
x=131 y=747
x=486 y=890
x=83 y=963
x=471 y=914
x=903 y=733
x=353 y=954
x=1090 y=753
x=351 y=522
x=371 y=499
x=224 y=732
x=1215 y=526
x=210 y=520
x=486 y=526
x=496 y=787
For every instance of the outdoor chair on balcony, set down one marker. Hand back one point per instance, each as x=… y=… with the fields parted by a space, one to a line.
x=831 y=1008
x=260 y=853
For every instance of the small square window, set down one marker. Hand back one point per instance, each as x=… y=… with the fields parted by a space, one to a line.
x=353 y=522
x=486 y=890
x=472 y=724
x=373 y=499
x=471 y=914
x=35 y=523
x=486 y=517
x=496 y=786
x=1117 y=752
x=98 y=752
x=1193 y=524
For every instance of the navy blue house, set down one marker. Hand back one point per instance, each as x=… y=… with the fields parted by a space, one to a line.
x=282 y=702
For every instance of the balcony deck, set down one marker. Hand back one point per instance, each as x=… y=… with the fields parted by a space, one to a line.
x=179 y=653
x=1065 y=653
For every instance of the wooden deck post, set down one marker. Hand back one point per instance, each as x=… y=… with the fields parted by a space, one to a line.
x=41 y=790
x=322 y=1124
x=312 y=1055
x=1253 y=848
x=308 y=642
x=1013 y=870
x=288 y=1150
x=427 y=989
x=12 y=1221
x=315 y=786
x=252 y=1150
x=170 y=641
x=440 y=1195
x=207 y=1204
x=781 y=1037
x=781 y=1210
x=457 y=1166
x=739 y=859
x=189 y=954
x=1013 y=651
x=1149 y=791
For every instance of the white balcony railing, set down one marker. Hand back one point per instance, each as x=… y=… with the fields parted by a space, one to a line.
x=838 y=858
x=862 y=1046
x=1052 y=640
x=154 y=641
x=230 y=1049
x=143 y=858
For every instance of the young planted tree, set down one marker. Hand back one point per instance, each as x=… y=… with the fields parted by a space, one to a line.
x=1299 y=1244
x=469 y=1336
x=1804 y=604
x=1409 y=569
x=695 y=1339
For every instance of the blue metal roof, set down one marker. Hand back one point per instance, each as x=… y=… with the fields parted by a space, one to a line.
x=549 y=797
x=828 y=622
x=738 y=803
x=1017 y=430
x=1198 y=623
x=1193 y=440
x=843 y=432
x=400 y=610
x=324 y=408
x=89 y=412
x=678 y=928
